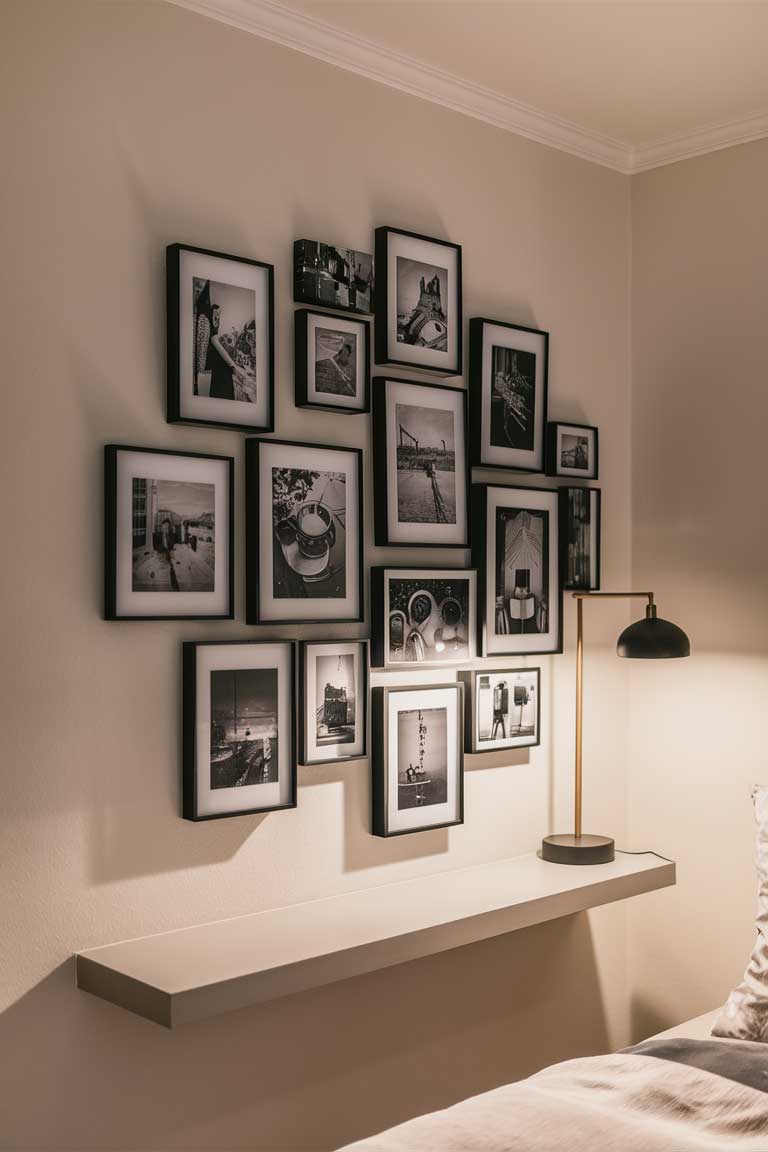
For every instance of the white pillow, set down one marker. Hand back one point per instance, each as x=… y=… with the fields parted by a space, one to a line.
x=745 y=1015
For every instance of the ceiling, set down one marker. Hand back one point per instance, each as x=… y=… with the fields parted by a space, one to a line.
x=633 y=82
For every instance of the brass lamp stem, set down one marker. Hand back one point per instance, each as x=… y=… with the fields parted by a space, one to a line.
x=580 y=597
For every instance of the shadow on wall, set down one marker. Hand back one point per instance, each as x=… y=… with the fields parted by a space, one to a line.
x=312 y=1071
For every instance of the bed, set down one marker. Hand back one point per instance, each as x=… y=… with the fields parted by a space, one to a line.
x=679 y=1091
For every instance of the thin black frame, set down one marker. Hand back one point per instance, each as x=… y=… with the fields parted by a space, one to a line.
x=189 y=731
x=303 y=712
x=110 y=532
x=552 y=465
x=300 y=352
x=479 y=558
x=173 y=338
x=468 y=678
x=381 y=311
x=564 y=518
x=380 y=757
x=379 y=608
x=380 y=494
x=475 y=390
x=252 y=613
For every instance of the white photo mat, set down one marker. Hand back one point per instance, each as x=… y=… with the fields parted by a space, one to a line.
x=216 y=658
x=539 y=642
x=277 y=454
x=132 y=465
x=440 y=256
x=241 y=275
x=442 y=400
x=326 y=752
x=353 y=328
x=503 y=337
x=412 y=819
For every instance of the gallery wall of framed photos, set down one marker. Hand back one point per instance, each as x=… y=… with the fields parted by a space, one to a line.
x=254 y=709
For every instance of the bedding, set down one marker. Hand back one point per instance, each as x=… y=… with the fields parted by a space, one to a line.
x=664 y=1095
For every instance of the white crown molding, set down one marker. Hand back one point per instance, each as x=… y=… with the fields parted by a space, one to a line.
x=699 y=142
x=274 y=21
x=326 y=42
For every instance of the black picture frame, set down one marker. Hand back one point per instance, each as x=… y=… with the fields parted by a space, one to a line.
x=190 y=719
x=483 y=497
x=385 y=318
x=178 y=403
x=111 y=563
x=382 y=612
x=322 y=272
x=481 y=397
x=576 y=551
x=381 y=818
x=469 y=678
x=382 y=470
x=305 y=712
x=303 y=384
x=253 y=601
x=555 y=428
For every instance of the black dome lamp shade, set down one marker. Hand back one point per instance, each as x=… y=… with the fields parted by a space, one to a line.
x=648 y=639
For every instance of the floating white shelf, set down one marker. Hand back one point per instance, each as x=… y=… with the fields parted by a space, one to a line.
x=192 y=973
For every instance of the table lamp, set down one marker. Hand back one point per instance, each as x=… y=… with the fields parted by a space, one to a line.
x=648 y=639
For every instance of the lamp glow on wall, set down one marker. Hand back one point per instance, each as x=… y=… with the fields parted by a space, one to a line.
x=649 y=639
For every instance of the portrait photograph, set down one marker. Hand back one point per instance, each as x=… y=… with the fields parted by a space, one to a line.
x=418 y=301
x=507 y=395
x=417 y=758
x=580 y=538
x=516 y=546
x=572 y=450
x=502 y=709
x=421 y=477
x=238 y=744
x=333 y=679
x=303 y=532
x=169 y=534
x=331 y=362
x=422 y=616
x=220 y=339
x=332 y=277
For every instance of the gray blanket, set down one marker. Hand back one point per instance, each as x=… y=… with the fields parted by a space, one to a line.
x=660 y=1096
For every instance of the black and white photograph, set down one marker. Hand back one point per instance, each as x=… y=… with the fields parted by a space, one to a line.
x=422 y=616
x=502 y=709
x=331 y=362
x=580 y=538
x=238 y=728
x=220 y=339
x=303 y=532
x=417 y=758
x=332 y=277
x=508 y=395
x=516 y=547
x=174 y=536
x=169 y=536
x=243 y=727
x=421 y=478
x=418 y=301
x=333 y=676
x=572 y=450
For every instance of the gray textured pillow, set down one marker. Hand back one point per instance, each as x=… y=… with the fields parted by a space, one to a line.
x=745 y=1015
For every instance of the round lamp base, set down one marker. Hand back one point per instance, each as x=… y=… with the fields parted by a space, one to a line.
x=577 y=849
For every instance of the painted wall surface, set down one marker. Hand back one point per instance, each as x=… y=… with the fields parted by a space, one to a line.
x=700 y=363
x=127 y=126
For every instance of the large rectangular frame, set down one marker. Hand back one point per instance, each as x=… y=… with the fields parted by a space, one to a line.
x=380 y=757
x=189 y=730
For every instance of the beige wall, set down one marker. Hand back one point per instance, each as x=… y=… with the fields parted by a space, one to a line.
x=127 y=126
x=700 y=405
